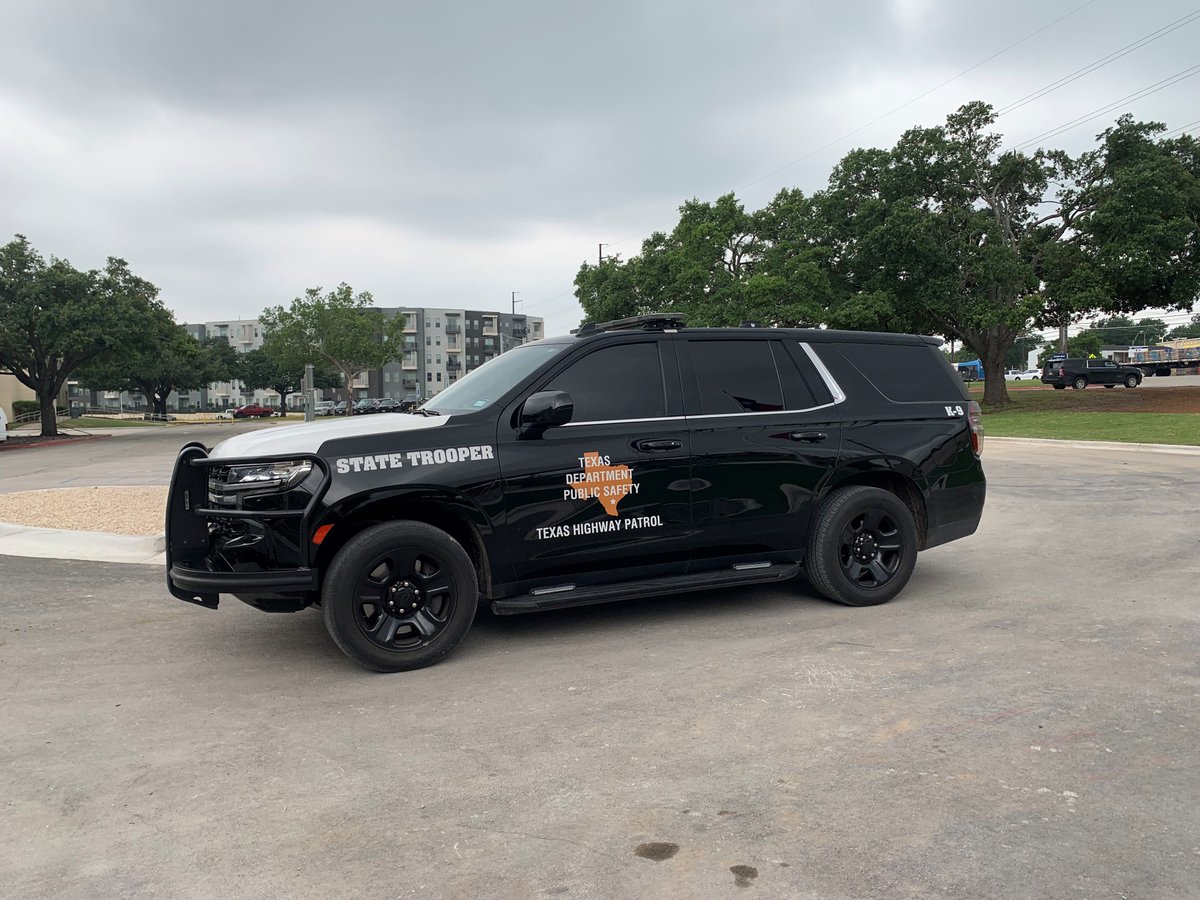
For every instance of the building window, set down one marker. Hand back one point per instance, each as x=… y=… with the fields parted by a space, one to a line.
x=439 y=342
x=439 y=377
x=428 y=342
x=429 y=376
x=439 y=359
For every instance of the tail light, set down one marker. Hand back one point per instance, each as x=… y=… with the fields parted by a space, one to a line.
x=975 y=420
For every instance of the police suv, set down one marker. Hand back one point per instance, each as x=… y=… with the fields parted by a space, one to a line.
x=633 y=458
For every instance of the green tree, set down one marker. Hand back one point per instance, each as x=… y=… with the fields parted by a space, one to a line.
x=718 y=266
x=340 y=330
x=1123 y=331
x=1190 y=330
x=165 y=359
x=273 y=367
x=948 y=233
x=55 y=319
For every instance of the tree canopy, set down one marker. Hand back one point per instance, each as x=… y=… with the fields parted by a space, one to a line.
x=55 y=319
x=340 y=330
x=946 y=233
x=164 y=358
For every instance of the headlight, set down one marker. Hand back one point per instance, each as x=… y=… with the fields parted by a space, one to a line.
x=274 y=475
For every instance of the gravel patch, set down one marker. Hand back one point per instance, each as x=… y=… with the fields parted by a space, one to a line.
x=113 y=510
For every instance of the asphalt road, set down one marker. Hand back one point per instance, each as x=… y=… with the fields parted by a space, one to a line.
x=1173 y=381
x=1021 y=722
x=131 y=455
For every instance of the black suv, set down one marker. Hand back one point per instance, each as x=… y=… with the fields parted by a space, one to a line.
x=634 y=458
x=1079 y=373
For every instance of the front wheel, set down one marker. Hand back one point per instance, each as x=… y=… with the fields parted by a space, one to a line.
x=399 y=596
x=1131 y=381
x=863 y=547
x=1080 y=383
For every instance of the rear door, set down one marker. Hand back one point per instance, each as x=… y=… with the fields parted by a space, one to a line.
x=766 y=435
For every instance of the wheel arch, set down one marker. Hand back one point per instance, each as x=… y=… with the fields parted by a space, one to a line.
x=442 y=509
x=901 y=484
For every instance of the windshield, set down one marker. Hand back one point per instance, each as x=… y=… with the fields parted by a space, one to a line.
x=491 y=381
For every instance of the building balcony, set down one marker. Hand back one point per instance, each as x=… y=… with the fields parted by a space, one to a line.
x=453 y=364
x=453 y=348
x=453 y=328
x=409 y=364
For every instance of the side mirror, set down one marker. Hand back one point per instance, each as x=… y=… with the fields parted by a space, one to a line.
x=545 y=410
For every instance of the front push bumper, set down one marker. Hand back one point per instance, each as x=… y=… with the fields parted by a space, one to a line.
x=198 y=574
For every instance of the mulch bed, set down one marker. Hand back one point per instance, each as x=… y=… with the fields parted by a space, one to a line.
x=21 y=441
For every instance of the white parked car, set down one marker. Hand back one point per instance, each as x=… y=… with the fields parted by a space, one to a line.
x=1026 y=375
x=225 y=414
x=3 y=425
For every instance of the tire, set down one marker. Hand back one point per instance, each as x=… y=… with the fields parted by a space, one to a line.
x=422 y=570
x=1079 y=383
x=1132 y=381
x=1059 y=387
x=848 y=515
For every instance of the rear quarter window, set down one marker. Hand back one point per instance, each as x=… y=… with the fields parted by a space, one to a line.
x=905 y=373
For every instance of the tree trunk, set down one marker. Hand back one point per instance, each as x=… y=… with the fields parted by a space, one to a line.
x=46 y=399
x=160 y=407
x=995 y=388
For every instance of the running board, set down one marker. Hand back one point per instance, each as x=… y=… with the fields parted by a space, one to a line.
x=566 y=596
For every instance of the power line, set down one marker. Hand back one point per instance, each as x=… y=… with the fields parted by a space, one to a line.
x=1105 y=110
x=1100 y=63
x=1181 y=130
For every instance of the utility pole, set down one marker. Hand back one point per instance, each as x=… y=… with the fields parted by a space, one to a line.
x=600 y=254
x=514 y=302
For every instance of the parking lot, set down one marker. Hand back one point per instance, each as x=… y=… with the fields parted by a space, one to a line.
x=1022 y=721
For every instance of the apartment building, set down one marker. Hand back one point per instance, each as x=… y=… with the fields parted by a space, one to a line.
x=441 y=345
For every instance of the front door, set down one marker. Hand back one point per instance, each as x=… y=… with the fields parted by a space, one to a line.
x=605 y=497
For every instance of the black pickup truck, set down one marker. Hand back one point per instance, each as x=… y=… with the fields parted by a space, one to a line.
x=631 y=458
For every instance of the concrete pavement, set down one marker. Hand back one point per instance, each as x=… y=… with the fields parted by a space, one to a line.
x=1021 y=722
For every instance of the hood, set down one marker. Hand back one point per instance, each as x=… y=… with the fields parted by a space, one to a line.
x=309 y=437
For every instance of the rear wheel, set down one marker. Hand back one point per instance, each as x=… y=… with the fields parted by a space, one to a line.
x=1080 y=383
x=1131 y=381
x=863 y=547
x=399 y=596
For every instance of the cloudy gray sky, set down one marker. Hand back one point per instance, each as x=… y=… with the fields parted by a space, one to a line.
x=448 y=154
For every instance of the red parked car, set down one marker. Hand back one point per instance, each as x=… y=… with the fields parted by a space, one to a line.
x=252 y=410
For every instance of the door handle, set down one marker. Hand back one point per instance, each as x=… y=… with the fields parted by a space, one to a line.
x=808 y=437
x=657 y=446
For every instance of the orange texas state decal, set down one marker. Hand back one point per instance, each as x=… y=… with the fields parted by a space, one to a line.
x=600 y=480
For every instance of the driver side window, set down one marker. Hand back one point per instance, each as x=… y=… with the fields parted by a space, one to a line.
x=622 y=382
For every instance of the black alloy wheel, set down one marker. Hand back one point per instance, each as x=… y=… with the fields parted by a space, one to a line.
x=1131 y=381
x=863 y=546
x=1080 y=383
x=399 y=596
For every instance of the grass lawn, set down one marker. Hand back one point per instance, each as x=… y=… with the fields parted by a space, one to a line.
x=1159 y=416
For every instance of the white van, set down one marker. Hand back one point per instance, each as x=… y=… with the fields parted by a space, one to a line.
x=3 y=425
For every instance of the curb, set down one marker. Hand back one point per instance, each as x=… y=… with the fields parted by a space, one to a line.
x=97 y=546
x=54 y=442
x=1179 y=449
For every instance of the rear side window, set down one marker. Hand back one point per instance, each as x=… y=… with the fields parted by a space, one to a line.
x=736 y=377
x=622 y=382
x=904 y=373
